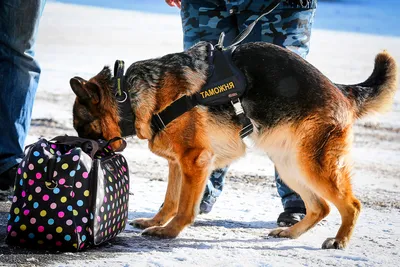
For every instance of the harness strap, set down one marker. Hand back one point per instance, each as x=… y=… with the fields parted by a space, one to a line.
x=160 y=120
x=127 y=119
x=185 y=103
x=243 y=119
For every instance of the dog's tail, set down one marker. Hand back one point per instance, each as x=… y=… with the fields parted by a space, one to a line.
x=376 y=94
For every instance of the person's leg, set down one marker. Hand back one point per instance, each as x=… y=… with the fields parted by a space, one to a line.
x=19 y=76
x=289 y=28
x=213 y=189
x=204 y=21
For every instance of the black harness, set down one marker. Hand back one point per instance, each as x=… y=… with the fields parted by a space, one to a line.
x=225 y=81
x=225 y=84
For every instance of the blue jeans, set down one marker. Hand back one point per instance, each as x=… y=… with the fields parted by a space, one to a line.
x=286 y=26
x=19 y=75
x=289 y=198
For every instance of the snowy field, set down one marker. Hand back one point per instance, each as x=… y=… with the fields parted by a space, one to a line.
x=76 y=40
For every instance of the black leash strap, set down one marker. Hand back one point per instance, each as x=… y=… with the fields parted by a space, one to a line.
x=127 y=119
x=249 y=28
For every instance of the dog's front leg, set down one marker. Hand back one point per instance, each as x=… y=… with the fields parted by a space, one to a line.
x=170 y=206
x=196 y=166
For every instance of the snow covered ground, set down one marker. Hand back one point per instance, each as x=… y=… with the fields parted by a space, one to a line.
x=76 y=40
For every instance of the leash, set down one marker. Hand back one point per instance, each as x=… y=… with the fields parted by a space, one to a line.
x=243 y=34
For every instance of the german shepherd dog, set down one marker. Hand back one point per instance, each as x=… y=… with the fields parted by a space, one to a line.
x=302 y=121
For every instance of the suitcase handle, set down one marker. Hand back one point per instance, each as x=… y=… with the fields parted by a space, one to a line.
x=90 y=146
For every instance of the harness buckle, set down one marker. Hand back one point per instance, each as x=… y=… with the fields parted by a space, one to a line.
x=237 y=105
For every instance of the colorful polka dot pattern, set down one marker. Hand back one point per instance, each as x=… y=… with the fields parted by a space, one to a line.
x=57 y=204
x=112 y=203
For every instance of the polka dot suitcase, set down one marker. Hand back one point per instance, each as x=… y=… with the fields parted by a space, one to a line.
x=70 y=194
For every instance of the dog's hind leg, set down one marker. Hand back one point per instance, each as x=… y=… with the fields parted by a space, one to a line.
x=170 y=206
x=325 y=170
x=328 y=172
x=316 y=207
x=281 y=144
x=195 y=166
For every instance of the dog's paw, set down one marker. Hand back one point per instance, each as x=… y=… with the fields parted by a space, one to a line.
x=161 y=232
x=333 y=243
x=144 y=223
x=281 y=232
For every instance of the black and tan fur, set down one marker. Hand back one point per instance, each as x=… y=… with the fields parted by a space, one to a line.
x=303 y=121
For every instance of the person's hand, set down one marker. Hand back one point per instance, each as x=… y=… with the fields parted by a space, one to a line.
x=176 y=3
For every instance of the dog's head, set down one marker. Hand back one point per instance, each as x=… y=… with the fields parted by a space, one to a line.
x=95 y=111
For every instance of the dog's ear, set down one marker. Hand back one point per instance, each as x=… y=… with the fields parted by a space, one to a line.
x=85 y=90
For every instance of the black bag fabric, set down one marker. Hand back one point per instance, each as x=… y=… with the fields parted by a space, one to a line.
x=70 y=194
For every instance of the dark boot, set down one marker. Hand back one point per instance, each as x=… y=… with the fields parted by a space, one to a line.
x=7 y=182
x=291 y=216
